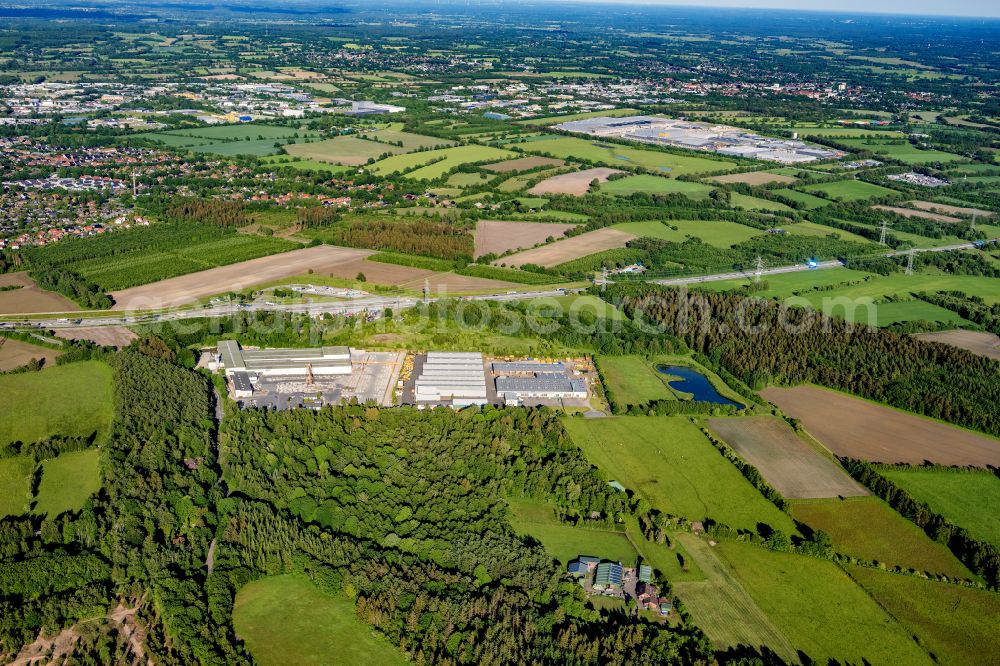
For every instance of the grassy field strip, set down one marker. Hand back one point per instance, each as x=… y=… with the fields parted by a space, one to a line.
x=957 y=624
x=288 y=620
x=670 y=463
x=868 y=528
x=807 y=597
x=968 y=499
x=724 y=609
x=72 y=400
x=632 y=380
x=67 y=481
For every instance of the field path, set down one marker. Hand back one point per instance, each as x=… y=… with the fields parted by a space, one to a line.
x=569 y=249
x=188 y=288
x=857 y=428
x=723 y=608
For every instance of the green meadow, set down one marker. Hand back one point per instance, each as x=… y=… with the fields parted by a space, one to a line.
x=669 y=164
x=968 y=499
x=288 y=620
x=72 y=400
x=667 y=460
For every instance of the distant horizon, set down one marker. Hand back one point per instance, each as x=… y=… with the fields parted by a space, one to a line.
x=977 y=9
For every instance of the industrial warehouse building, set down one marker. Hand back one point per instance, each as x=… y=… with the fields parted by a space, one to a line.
x=453 y=378
x=524 y=380
x=318 y=361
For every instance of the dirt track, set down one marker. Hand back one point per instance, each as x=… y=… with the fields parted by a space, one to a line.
x=322 y=259
x=977 y=342
x=568 y=249
x=785 y=461
x=921 y=214
x=951 y=210
x=14 y=354
x=857 y=428
x=494 y=236
x=576 y=183
x=30 y=297
x=106 y=336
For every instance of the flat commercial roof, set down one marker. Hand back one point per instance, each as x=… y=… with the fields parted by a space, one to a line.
x=235 y=358
x=241 y=382
x=536 y=384
x=508 y=367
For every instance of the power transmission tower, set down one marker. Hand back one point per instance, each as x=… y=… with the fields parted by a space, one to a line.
x=134 y=190
x=909 y=261
x=759 y=269
x=972 y=225
x=885 y=229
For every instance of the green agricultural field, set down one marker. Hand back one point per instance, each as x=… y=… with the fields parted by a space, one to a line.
x=410 y=140
x=719 y=233
x=243 y=130
x=856 y=296
x=671 y=164
x=904 y=152
x=650 y=184
x=808 y=201
x=72 y=400
x=462 y=179
x=784 y=285
x=957 y=624
x=288 y=620
x=444 y=159
x=566 y=542
x=67 y=481
x=15 y=485
x=580 y=304
x=667 y=460
x=344 y=150
x=721 y=607
x=755 y=203
x=819 y=609
x=970 y=500
x=903 y=311
x=633 y=380
x=149 y=254
x=303 y=165
x=555 y=120
x=850 y=190
x=847 y=132
x=868 y=528
x=820 y=230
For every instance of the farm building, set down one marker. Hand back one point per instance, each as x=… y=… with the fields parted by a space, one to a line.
x=453 y=378
x=609 y=576
x=578 y=569
x=317 y=361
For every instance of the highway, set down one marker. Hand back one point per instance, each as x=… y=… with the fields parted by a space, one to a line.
x=369 y=304
x=377 y=304
x=795 y=268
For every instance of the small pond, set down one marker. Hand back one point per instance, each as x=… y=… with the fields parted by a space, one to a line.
x=693 y=382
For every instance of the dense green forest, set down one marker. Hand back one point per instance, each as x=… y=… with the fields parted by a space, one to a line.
x=402 y=510
x=762 y=342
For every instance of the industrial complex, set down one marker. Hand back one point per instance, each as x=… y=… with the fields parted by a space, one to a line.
x=721 y=139
x=307 y=377
x=313 y=377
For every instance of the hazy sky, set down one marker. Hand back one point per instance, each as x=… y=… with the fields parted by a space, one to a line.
x=943 y=7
